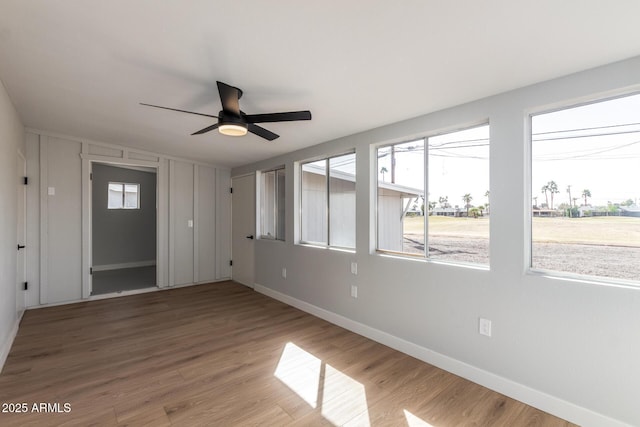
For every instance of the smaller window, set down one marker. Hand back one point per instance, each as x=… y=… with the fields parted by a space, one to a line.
x=328 y=201
x=123 y=196
x=272 y=204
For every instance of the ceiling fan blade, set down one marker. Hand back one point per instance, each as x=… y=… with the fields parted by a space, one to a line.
x=229 y=96
x=262 y=132
x=278 y=117
x=207 y=129
x=182 y=111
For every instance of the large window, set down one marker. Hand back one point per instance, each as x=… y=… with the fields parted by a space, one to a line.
x=459 y=205
x=272 y=204
x=123 y=196
x=455 y=208
x=328 y=201
x=585 y=211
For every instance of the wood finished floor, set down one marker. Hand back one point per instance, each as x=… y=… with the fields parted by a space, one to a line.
x=223 y=355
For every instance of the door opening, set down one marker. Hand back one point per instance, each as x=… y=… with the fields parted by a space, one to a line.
x=123 y=228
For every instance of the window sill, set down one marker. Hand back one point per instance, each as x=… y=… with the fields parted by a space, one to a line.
x=582 y=278
x=421 y=258
x=321 y=246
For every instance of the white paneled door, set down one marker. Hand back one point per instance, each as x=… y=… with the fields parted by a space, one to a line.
x=21 y=269
x=243 y=228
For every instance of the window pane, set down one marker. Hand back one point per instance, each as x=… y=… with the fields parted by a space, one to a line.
x=280 y=203
x=342 y=201
x=314 y=202
x=114 y=199
x=131 y=196
x=400 y=171
x=585 y=194
x=458 y=202
x=268 y=204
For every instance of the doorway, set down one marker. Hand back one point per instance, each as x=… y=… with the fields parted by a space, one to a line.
x=123 y=228
x=243 y=228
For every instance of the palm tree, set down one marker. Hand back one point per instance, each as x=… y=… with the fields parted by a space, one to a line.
x=586 y=194
x=467 y=201
x=553 y=189
x=383 y=170
x=486 y=194
x=545 y=189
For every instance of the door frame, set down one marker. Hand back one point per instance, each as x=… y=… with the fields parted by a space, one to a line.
x=87 y=216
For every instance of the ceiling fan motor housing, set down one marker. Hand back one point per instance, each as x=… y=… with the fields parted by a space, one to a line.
x=231 y=119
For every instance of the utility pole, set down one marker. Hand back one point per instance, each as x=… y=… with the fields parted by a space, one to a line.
x=393 y=164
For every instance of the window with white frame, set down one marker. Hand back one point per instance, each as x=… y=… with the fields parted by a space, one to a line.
x=123 y=196
x=328 y=201
x=455 y=207
x=272 y=204
x=585 y=197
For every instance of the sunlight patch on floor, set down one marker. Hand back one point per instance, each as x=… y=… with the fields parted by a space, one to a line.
x=340 y=397
x=343 y=398
x=413 y=421
x=300 y=371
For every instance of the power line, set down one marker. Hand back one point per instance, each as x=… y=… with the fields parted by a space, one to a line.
x=592 y=128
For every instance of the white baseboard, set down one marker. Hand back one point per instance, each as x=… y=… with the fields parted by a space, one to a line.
x=5 y=348
x=543 y=401
x=135 y=264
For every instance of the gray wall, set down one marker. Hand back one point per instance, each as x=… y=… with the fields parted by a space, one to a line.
x=570 y=346
x=11 y=140
x=123 y=236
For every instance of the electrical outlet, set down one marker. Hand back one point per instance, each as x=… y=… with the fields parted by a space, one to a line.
x=190 y=223
x=284 y=272
x=354 y=267
x=484 y=327
x=354 y=291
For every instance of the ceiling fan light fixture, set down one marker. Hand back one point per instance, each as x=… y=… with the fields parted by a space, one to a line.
x=233 y=129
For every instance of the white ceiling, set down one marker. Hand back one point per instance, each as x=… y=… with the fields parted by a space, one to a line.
x=80 y=67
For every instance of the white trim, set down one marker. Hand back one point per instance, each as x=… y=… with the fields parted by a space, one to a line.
x=6 y=346
x=118 y=161
x=123 y=293
x=106 y=267
x=196 y=224
x=44 y=219
x=538 y=399
x=162 y=224
x=126 y=150
x=172 y=226
x=87 y=231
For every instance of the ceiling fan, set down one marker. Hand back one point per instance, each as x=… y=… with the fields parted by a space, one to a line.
x=234 y=122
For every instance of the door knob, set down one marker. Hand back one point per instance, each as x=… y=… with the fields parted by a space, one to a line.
x=250 y=236
x=20 y=246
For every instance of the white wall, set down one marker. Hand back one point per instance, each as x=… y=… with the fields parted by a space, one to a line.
x=11 y=141
x=61 y=219
x=570 y=347
x=55 y=223
x=181 y=235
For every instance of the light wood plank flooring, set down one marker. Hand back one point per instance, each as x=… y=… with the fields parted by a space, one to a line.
x=223 y=355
